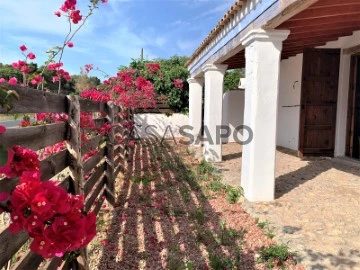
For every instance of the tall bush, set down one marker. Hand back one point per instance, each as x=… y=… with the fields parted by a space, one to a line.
x=169 y=77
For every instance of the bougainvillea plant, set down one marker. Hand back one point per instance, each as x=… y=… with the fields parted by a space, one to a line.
x=169 y=79
x=53 y=218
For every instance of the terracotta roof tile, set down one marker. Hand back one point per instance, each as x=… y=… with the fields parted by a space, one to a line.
x=227 y=17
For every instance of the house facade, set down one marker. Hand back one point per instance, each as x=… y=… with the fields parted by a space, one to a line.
x=302 y=66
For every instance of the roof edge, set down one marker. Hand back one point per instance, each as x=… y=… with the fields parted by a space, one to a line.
x=221 y=24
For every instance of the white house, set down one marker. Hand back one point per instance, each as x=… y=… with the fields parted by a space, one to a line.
x=302 y=65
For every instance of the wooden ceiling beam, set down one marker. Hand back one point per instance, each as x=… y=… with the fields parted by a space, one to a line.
x=316 y=34
x=309 y=44
x=320 y=21
x=324 y=38
x=325 y=27
x=328 y=12
x=330 y=3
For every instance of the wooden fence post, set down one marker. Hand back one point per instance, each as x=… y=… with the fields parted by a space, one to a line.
x=131 y=134
x=110 y=155
x=74 y=144
x=75 y=160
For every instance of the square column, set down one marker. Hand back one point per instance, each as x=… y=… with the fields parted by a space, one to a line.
x=214 y=85
x=262 y=53
x=195 y=108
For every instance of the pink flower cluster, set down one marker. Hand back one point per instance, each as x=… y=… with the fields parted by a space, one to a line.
x=60 y=73
x=51 y=216
x=153 y=67
x=12 y=80
x=132 y=91
x=86 y=120
x=96 y=95
x=20 y=159
x=36 y=80
x=89 y=67
x=178 y=83
x=105 y=129
x=126 y=89
x=52 y=149
x=22 y=65
x=49 y=118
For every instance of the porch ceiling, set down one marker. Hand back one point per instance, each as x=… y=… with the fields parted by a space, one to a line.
x=324 y=21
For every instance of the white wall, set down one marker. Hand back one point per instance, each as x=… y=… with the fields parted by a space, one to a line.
x=233 y=112
x=160 y=123
x=289 y=118
x=289 y=102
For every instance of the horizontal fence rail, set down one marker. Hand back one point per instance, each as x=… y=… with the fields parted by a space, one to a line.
x=68 y=165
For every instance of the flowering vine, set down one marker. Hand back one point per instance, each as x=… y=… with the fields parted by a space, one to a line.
x=53 y=218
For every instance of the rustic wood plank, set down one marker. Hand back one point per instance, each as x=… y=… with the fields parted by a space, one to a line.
x=100 y=203
x=94 y=178
x=34 y=101
x=119 y=168
x=29 y=261
x=10 y=244
x=48 y=168
x=110 y=155
x=53 y=165
x=93 y=161
x=154 y=110
x=73 y=144
x=35 y=138
x=91 y=144
x=94 y=195
x=54 y=264
x=88 y=105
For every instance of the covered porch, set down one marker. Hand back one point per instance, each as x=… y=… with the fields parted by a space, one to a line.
x=305 y=214
x=301 y=84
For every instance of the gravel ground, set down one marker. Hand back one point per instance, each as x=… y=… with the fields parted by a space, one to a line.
x=164 y=218
x=317 y=207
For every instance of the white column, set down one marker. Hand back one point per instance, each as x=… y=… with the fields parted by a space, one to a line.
x=262 y=52
x=195 y=107
x=214 y=84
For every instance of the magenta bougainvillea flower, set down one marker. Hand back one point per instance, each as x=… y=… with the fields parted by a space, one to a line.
x=23 y=48
x=31 y=56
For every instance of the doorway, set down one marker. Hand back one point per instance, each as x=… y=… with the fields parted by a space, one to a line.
x=353 y=127
x=319 y=95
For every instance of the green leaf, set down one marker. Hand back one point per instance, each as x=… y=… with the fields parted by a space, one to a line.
x=3 y=156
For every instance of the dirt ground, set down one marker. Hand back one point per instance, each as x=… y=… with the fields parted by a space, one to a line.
x=166 y=217
x=317 y=207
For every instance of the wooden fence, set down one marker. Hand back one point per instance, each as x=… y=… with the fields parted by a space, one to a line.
x=102 y=168
x=160 y=107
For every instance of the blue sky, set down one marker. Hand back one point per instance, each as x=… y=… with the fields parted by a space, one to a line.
x=113 y=35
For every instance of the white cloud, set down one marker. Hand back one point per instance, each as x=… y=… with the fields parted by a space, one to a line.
x=187 y=46
x=35 y=15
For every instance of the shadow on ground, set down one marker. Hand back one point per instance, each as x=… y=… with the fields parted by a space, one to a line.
x=162 y=219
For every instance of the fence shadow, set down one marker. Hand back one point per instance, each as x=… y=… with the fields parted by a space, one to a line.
x=161 y=218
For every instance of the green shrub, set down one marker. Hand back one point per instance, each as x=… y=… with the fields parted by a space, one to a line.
x=218 y=263
x=274 y=255
x=205 y=167
x=216 y=186
x=233 y=194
